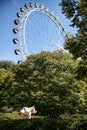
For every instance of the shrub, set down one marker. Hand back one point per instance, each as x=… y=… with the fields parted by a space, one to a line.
x=43 y=124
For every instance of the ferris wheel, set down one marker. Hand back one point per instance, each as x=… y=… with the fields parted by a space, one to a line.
x=38 y=36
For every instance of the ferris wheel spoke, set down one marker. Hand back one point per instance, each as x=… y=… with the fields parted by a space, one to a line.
x=40 y=32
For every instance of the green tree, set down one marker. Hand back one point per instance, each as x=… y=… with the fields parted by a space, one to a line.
x=7 y=65
x=76 y=11
x=6 y=82
x=47 y=81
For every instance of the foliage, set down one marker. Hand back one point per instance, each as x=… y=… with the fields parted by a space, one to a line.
x=82 y=70
x=7 y=65
x=43 y=124
x=76 y=11
x=47 y=80
x=6 y=82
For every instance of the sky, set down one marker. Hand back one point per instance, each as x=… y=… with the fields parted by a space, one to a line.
x=8 y=10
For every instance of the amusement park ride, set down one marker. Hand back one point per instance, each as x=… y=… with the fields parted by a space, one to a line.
x=20 y=23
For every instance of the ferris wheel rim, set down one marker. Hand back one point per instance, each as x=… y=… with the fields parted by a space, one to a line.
x=25 y=13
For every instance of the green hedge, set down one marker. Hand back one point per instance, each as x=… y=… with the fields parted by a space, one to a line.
x=43 y=124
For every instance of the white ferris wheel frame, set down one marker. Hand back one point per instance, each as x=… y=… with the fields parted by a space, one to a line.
x=24 y=14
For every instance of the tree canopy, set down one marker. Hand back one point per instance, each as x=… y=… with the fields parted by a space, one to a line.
x=47 y=80
x=76 y=11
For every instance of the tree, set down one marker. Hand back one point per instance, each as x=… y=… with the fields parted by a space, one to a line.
x=47 y=81
x=76 y=11
x=7 y=65
x=6 y=82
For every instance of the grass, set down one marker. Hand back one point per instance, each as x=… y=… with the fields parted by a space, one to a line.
x=15 y=116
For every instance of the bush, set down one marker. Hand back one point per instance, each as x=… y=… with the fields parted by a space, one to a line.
x=43 y=124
